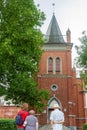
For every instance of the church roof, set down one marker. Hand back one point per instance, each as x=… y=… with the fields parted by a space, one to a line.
x=53 y=34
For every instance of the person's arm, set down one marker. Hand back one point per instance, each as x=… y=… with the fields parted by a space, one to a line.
x=25 y=123
x=51 y=124
x=36 y=125
x=61 y=122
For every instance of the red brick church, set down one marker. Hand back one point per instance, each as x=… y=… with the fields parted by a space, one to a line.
x=57 y=75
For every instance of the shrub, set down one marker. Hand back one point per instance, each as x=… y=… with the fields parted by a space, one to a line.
x=7 y=124
x=84 y=126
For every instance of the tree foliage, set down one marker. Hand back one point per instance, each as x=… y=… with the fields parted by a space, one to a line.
x=81 y=59
x=20 y=51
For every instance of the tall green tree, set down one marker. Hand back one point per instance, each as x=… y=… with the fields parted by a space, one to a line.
x=20 y=51
x=81 y=60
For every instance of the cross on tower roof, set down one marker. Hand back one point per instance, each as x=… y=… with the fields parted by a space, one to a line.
x=53 y=4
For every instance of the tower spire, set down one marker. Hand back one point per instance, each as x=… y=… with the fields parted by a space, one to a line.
x=53 y=33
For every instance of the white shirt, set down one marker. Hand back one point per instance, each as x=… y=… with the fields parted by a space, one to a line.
x=57 y=115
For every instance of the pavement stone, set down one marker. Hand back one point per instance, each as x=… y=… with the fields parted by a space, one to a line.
x=47 y=127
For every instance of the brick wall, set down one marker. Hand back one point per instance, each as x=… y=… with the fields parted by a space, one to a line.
x=8 y=112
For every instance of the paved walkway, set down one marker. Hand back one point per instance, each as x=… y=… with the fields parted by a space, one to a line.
x=47 y=127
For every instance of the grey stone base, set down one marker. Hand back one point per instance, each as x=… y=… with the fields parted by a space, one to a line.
x=72 y=127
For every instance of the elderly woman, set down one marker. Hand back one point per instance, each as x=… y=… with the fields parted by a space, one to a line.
x=31 y=121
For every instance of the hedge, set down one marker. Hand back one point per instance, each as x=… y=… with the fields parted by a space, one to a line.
x=84 y=126
x=7 y=124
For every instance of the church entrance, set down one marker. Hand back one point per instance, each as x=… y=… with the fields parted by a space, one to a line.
x=49 y=112
x=50 y=108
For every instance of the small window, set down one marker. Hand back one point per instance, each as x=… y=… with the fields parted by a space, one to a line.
x=54 y=87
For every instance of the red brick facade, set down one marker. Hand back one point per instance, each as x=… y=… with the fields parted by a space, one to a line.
x=69 y=94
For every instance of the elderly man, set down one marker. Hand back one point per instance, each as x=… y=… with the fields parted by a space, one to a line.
x=56 y=118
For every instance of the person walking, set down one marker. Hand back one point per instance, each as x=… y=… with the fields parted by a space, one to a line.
x=56 y=118
x=31 y=121
x=23 y=112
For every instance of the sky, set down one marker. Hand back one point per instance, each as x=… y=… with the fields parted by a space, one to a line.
x=70 y=14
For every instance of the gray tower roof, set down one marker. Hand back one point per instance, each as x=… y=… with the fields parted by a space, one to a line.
x=53 y=34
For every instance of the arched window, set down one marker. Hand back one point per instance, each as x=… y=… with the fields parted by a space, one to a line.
x=57 y=64
x=50 y=65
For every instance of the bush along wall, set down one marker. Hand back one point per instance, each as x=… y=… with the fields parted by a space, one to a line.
x=84 y=126
x=7 y=124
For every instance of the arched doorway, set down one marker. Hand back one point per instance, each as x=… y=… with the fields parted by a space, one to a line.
x=51 y=103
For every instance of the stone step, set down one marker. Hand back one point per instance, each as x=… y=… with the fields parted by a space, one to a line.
x=66 y=128
x=47 y=127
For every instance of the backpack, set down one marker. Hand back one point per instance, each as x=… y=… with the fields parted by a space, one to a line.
x=18 y=119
